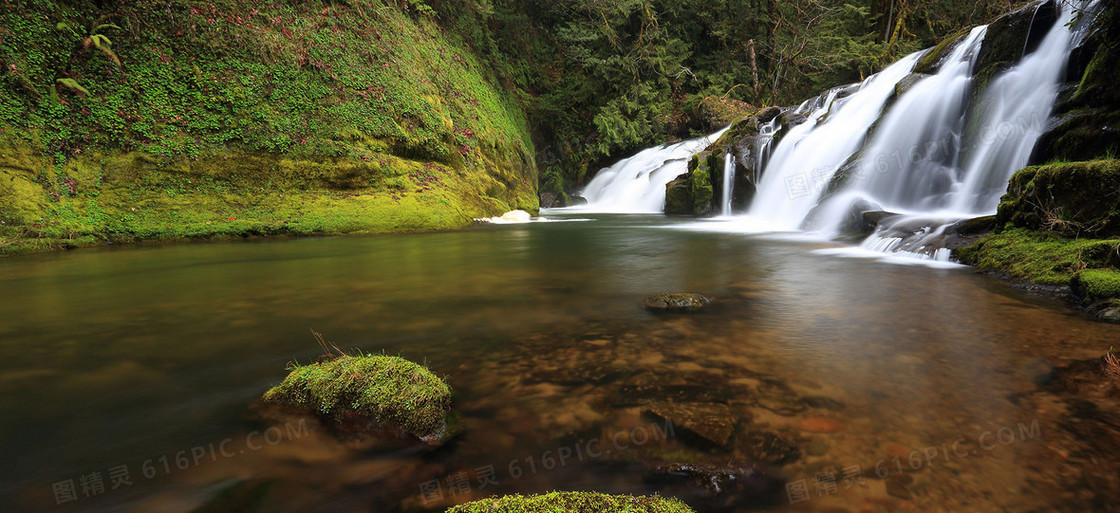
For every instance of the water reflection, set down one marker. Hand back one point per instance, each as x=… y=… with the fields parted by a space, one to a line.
x=116 y=357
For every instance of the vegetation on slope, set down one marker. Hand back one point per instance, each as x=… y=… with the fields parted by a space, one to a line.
x=183 y=119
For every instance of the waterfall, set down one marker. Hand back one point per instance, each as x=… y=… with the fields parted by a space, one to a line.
x=810 y=153
x=728 y=184
x=936 y=156
x=637 y=184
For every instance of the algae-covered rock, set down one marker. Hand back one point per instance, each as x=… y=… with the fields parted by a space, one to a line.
x=582 y=502
x=373 y=391
x=677 y=302
x=710 y=424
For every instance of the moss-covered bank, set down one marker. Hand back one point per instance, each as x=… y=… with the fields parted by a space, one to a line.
x=1059 y=225
x=565 y=502
x=390 y=391
x=125 y=121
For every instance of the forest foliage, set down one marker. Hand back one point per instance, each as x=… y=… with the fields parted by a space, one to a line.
x=601 y=78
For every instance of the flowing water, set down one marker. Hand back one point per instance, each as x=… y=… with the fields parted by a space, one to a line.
x=637 y=184
x=148 y=360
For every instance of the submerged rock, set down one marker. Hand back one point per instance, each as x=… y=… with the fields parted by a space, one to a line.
x=677 y=302
x=384 y=394
x=765 y=447
x=709 y=423
x=729 y=485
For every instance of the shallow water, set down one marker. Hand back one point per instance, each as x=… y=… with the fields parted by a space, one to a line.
x=141 y=358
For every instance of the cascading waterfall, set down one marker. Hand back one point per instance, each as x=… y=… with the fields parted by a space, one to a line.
x=810 y=153
x=928 y=160
x=728 y=184
x=637 y=184
x=935 y=154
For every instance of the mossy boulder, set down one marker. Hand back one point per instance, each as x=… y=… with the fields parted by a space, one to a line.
x=678 y=197
x=716 y=112
x=374 y=392
x=700 y=173
x=581 y=502
x=677 y=302
x=1076 y=199
x=1096 y=284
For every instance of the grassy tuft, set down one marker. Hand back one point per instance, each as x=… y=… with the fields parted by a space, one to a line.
x=582 y=502
x=1097 y=284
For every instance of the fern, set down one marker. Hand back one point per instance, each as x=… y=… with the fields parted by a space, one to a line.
x=73 y=85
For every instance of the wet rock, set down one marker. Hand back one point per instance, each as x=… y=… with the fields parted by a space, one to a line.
x=1110 y=315
x=706 y=423
x=765 y=447
x=792 y=119
x=677 y=302
x=678 y=197
x=768 y=114
x=576 y=201
x=779 y=399
x=976 y=225
x=857 y=224
x=824 y=403
x=734 y=485
x=908 y=83
x=821 y=425
x=550 y=200
x=649 y=387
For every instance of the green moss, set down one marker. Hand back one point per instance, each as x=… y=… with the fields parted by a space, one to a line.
x=700 y=183
x=1040 y=257
x=231 y=119
x=1072 y=198
x=389 y=390
x=931 y=61
x=564 y=502
x=1097 y=284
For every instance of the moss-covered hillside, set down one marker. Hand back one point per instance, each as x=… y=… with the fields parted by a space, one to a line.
x=124 y=121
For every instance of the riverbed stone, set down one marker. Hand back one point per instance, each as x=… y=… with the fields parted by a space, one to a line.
x=711 y=423
x=677 y=302
x=765 y=447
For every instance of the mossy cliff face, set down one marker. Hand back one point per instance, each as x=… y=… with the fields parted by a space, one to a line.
x=167 y=120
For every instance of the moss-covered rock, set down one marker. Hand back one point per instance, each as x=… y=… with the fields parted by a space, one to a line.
x=1076 y=199
x=677 y=302
x=700 y=172
x=678 y=197
x=581 y=502
x=381 y=392
x=1096 y=284
x=1041 y=257
x=716 y=112
x=930 y=63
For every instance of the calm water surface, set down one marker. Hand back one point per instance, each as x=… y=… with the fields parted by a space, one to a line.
x=123 y=359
